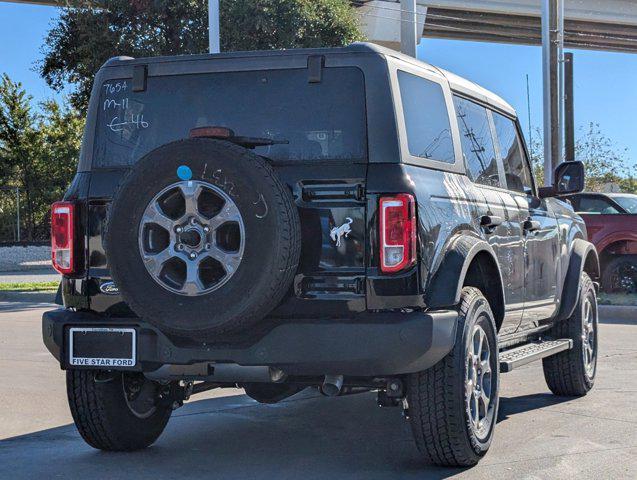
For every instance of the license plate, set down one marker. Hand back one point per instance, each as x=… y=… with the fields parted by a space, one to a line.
x=102 y=347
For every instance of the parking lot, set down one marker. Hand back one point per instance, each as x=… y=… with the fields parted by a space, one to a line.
x=308 y=436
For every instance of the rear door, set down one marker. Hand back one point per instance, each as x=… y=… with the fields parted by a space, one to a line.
x=484 y=169
x=536 y=222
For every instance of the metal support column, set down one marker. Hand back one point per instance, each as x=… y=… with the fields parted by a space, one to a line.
x=569 y=109
x=408 y=27
x=17 y=201
x=552 y=48
x=214 y=43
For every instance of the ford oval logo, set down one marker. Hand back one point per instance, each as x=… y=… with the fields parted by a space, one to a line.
x=109 y=288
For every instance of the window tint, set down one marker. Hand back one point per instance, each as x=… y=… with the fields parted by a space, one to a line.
x=309 y=121
x=516 y=169
x=477 y=142
x=426 y=118
x=590 y=204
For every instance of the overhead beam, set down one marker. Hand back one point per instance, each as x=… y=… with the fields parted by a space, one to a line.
x=526 y=30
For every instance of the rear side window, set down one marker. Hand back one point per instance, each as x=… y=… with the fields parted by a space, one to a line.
x=477 y=142
x=426 y=118
x=319 y=121
x=516 y=168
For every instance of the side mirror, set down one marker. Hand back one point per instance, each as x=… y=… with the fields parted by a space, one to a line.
x=568 y=179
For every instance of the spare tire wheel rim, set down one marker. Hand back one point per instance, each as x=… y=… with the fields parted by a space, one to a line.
x=191 y=238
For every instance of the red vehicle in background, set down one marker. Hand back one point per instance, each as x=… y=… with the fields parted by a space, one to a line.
x=611 y=222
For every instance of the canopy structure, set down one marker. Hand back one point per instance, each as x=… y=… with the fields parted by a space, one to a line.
x=609 y=25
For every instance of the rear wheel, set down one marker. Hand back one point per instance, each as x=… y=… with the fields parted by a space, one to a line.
x=453 y=406
x=572 y=372
x=117 y=411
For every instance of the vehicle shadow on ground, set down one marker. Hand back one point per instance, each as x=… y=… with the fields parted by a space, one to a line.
x=510 y=406
x=307 y=437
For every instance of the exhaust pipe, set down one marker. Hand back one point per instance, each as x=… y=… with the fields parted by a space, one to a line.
x=332 y=385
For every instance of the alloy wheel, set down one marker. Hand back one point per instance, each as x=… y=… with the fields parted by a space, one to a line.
x=191 y=238
x=479 y=383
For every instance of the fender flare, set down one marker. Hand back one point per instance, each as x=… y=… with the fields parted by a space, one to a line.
x=583 y=257
x=445 y=287
x=614 y=237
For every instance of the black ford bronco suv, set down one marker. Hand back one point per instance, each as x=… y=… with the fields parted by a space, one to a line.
x=349 y=219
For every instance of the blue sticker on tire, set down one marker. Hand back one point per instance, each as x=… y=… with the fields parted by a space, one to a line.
x=184 y=172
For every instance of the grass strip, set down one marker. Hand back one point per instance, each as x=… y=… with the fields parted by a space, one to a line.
x=29 y=286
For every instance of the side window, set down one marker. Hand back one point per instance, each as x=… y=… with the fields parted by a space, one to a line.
x=590 y=204
x=477 y=142
x=426 y=118
x=516 y=168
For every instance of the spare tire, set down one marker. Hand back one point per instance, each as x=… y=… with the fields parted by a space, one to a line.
x=202 y=238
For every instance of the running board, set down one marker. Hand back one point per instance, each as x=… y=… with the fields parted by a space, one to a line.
x=530 y=352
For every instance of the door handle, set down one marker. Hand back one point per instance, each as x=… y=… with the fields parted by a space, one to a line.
x=490 y=222
x=531 y=225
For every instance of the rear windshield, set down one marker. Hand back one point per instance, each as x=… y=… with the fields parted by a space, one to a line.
x=321 y=121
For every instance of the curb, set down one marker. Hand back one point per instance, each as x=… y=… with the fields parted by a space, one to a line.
x=618 y=312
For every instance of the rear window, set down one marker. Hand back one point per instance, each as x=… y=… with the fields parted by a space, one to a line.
x=321 y=121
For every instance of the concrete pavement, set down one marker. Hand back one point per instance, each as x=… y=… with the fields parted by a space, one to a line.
x=307 y=436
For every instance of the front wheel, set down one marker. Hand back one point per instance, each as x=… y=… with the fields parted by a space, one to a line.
x=620 y=275
x=572 y=372
x=453 y=406
x=116 y=411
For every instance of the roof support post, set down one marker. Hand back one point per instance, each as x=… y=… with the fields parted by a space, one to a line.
x=214 y=43
x=408 y=27
x=553 y=74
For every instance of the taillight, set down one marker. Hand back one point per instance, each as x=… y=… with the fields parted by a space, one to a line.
x=397 y=232
x=62 y=232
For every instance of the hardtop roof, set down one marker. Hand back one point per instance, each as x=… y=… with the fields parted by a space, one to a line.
x=456 y=83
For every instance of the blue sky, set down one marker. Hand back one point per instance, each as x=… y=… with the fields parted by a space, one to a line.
x=605 y=83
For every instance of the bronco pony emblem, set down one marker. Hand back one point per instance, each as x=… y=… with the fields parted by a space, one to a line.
x=339 y=232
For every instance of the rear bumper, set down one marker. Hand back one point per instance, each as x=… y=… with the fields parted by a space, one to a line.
x=377 y=344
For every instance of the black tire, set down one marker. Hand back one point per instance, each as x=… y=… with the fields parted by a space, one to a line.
x=438 y=398
x=103 y=416
x=620 y=275
x=272 y=239
x=566 y=373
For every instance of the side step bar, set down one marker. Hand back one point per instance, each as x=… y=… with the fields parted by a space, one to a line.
x=516 y=357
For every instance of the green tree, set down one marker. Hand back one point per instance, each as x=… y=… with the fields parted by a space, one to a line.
x=604 y=162
x=20 y=143
x=89 y=32
x=61 y=131
x=38 y=154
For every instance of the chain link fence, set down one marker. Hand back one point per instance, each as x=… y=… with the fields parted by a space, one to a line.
x=17 y=225
x=11 y=223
